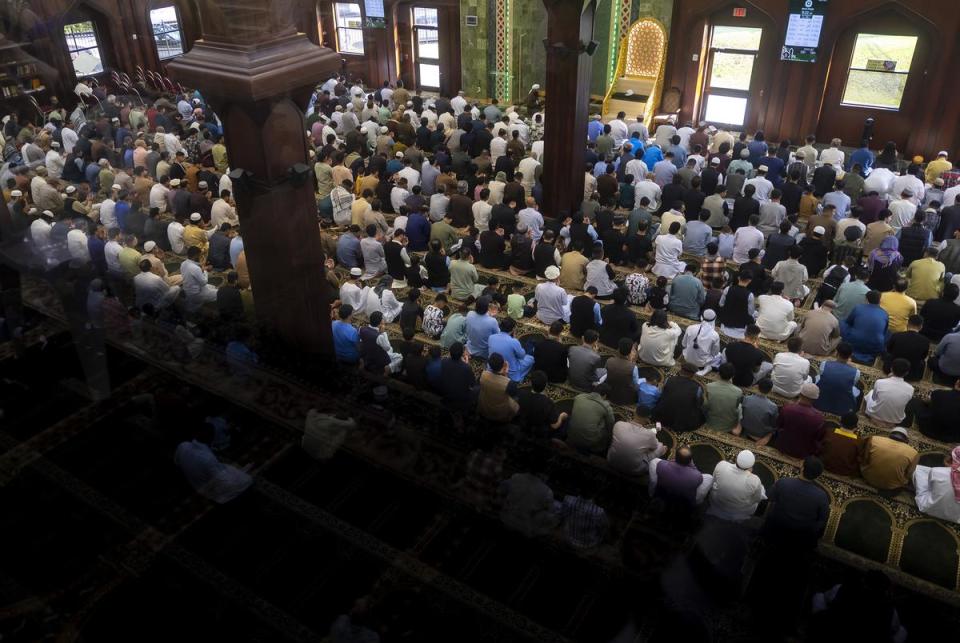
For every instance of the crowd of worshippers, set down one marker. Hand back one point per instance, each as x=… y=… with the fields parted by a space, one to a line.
x=424 y=191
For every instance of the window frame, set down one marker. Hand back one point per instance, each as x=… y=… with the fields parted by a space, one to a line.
x=178 y=30
x=418 y=58
x=98 y=44
x=337 y=28
x=850 y=67
x=709 y=91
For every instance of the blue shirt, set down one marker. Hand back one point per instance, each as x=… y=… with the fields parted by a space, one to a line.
x=679 y=156
x=346 y=342
x=594 y=129
x=433 y=372
x=120 y=212
x=840 y=201
x=651 y=156
x=865 y=329
x=758 y=150
x=647 y=394
x=864 y=157
x=479 y=330
x=774 y=170
x=511 y=351
x=236 y=247
x=418 y=232
x=698 y=235
x=348 y=251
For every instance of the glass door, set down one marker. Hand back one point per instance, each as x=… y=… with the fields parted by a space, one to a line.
x=426 y=40
x=733 y=52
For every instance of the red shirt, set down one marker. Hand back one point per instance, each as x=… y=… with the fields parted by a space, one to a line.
x=801 y=430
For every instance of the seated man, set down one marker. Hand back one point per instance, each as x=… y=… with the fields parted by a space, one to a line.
x=591 y=422
x=865 y=329
x=841 y=447
x=633 y=447
x=736 y=307
x=681 y=401
x=749 y=361
x=687 y=293
x=623 y=376
x=510 y=349
x=457 y=383
x=722 y=407
x=800 y=427
x=679 y=481
x=701 y=342
x=759 y=414
x=888 y=462
x=799 y=509
x=899 y=307
x=945 y=361
x=528 y=504
x=497 y=400
x=584 y=363
x=938 y=417
x=737 y=491
x=346 y=338
x=887 y=402
x=820 y=330
x=775 y=314
x=538 y=414
x=838 y=382
x=937 y=493
x=551 y=355
x=910 y=345
x=208 y=476
x=790 y=369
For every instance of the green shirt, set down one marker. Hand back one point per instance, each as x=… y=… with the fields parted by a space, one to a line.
x=446 y=233
x=722 y=407
x=463 y=277
x=515 y=304
x=591 y=420
x=454 y=331
x=324 y=179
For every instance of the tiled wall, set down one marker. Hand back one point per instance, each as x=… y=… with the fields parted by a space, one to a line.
x=528 y=29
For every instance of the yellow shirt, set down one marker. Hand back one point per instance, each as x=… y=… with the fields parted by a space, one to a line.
x=899 y=307
x=935 y=168
x=130 y=261
x=926 y=278
x=357 y=210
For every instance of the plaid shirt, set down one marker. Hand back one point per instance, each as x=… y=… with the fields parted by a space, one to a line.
x=713 y=268
x=583 y=521
x=950 y=178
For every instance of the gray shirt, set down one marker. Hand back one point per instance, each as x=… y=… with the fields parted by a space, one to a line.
x=374 y=261
x=759 y=416
x=583 y=364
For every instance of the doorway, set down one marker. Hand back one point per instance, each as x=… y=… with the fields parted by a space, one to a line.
x=730 y=71
x=426 y=48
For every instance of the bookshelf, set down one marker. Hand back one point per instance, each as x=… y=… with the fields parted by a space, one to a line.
x=20 y=75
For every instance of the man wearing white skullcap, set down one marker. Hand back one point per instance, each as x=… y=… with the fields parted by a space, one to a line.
x=737 y=491
x=701 y=342
x=154 y=254
x=54 y=161
x=195 y=235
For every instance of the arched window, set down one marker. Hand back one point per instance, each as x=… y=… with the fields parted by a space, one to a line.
x=84 y=47
x=167 y=35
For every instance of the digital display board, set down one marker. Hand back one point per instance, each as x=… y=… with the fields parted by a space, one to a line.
x=374 y=13
x=803 y=30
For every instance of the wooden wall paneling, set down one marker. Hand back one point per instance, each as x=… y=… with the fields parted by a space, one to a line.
x=802 y=98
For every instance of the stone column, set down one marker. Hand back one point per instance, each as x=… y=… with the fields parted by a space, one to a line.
x=258 y=73
x=569 y=29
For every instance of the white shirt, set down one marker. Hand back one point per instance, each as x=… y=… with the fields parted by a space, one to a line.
x=552 y=302
x=158 y=196
x=762 y=185
x=222 y=212
x=528 y=167
x=194 y=278
x=207 y=475
x=638 y=170
x=888 y=399
x=111 y=251
x=40 y=233
x=935 y=494
x=649 y=189
x=458 y=103
x=790 y=371
x=668 y=250
x=352 y=294
x=150 y=289
x=951 y=196
x=685 y=133
x=657 y=344
x=833 y=156
x=411 y=175
x=397 y=196
x=175 y=236
x=619 y=132
x=880 y=180
x=736 y=493
x=632 y=447
x=481 y=215
x=172 y=145
x=498 y=147
x=520 y=126
x=69 y=138
x=54 y=163
x=903 y=213
x=774 y=314
x=707 y=341
x=745 y=239
x=77 y=245
x=908 y=182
